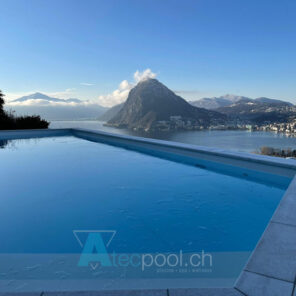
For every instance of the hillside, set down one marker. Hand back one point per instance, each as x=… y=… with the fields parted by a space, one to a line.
x=259 y=111
x=217 y=102
x=151 y=104
x=111 y=112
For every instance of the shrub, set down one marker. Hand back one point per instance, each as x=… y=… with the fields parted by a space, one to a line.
x=267 y=150
x=30 y=122
x=278 y=152
x=10 y=121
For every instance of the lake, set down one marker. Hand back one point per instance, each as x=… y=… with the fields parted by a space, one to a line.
x=231 y=140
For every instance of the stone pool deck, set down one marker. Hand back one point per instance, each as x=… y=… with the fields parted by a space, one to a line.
x=271 y=269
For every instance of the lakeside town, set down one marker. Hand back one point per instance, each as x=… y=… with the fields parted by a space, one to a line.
x=179 y=123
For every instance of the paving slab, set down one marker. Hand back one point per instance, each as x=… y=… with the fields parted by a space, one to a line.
x=275 y=254
x=285 y=213
x=20 y=293
x=205 y=292
x=252 y=284
x=156 y=292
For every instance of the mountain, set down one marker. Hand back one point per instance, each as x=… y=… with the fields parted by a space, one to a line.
x=40 y=96
x=110 y=113
x=55 y=109
x=260 y=110
x=150 y=103
x=228 y=100
x=217 y=102
x=273 y=101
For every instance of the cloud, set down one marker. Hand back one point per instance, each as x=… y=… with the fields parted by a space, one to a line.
x=86 y=84
x=188 y=92
x=120 y=95
x=13 y=96
x=68 y=92
x=64 y=94
x=116 y=97
x=146 y=74
x=57 y=110
x=41 y=102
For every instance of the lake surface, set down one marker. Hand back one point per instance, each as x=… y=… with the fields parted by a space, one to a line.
x=231 y=140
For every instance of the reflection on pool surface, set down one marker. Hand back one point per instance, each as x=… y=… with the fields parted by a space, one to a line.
x=52 y=186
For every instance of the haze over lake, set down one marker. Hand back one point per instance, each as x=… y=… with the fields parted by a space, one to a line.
x=227 y=139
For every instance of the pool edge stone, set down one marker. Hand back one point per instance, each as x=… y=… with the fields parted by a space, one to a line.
x=285 y=212
x=253 y=284
x=144 y=292
x=205 y=292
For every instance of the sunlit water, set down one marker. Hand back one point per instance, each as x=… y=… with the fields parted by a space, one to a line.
x=231 y=140
x=52 y=186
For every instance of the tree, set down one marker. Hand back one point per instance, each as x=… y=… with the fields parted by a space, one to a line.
x=9 y=121
x=1 y=101
x=267 y=150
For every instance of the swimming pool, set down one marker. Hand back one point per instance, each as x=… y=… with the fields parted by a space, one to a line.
x=57 y=191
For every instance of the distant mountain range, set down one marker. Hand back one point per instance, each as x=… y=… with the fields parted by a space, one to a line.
x=216 y=102
x=51 y=108
x=228 y=100
x=150 y=103
x=40 y=96
x=259 y=111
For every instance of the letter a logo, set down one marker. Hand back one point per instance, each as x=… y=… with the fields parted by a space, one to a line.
x=94 y=251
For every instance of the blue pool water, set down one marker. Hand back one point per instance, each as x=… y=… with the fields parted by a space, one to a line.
x=52 y=186
x=57 y=192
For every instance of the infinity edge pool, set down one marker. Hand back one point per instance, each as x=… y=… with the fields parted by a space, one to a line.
x=271 y=267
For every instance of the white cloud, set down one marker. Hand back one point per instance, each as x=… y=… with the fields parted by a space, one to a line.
x=64 y=94
x=120 y=95
x=86 y=84
x=12 y=96
x=41 y=102
x=67 y=93
x=146 y=74
x=116 y=97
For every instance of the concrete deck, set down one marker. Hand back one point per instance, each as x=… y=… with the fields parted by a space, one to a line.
x=271 y=269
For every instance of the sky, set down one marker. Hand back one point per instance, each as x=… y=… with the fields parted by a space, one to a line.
x=98 y=49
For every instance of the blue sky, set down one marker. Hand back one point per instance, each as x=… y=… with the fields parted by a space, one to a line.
x=198 y=48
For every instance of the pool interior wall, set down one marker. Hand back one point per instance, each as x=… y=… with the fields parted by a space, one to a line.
x=178 y=218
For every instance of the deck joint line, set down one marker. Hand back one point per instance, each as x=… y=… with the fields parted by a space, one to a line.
x=268 y=276
x=293 y=290
x=235 y=288
x=286 y=224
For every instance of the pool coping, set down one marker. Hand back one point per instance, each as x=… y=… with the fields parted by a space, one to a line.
x=271 y=268
x=203 y=150
x=282 y=162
